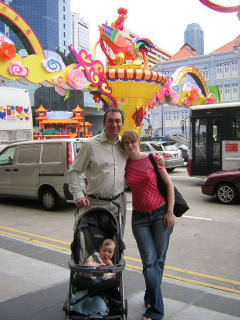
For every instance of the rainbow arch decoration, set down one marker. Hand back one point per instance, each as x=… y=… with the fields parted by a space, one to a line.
x=194 y=73
x=30 y=41
x=186 y=95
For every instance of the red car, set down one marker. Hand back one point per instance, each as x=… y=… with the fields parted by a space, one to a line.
x=225 y=185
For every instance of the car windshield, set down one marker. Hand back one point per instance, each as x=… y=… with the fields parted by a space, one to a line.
x=170 y=146
x=157 y=147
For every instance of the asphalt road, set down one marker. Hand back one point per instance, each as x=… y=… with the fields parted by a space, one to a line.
x=204 y=247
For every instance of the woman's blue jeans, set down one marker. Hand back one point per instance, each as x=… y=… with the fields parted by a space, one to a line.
x=152 y=239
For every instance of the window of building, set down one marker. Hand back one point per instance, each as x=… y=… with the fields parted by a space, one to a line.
x=235 y=92
x=219 y=72
x=226 y=72
x=205 y=74
x=227 y=94
x=234 y=70
x=221 y=93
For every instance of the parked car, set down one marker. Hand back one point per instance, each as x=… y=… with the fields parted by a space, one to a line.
x=184 y=150
x=38 y=169
x=159 y=138
x=225 y=185
x=169 y=150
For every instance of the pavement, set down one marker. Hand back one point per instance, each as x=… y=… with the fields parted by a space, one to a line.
x=34 y=283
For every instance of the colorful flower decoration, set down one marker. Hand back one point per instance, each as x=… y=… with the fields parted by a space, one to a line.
x=60 y=90
x=194 y=95
x=59 y=80
x=16 y=68
x=138 y=117
x=187 y=102
x=52 y=65
x=7 y=51
x=76 y=79
x=97 y=99
x=211 y=99
x=173 y=97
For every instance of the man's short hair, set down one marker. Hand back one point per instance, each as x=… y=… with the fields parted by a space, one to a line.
x=112 y=110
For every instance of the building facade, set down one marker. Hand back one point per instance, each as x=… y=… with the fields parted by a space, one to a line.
x=220 y=68
x=194 y=36
x=80 y=33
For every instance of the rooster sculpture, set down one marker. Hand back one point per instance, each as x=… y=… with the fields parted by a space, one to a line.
x=123 y=48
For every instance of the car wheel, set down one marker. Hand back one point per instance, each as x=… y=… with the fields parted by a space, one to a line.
x=226 y=193
x=49 y=199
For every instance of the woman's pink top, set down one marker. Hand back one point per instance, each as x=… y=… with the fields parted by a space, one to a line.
x=142 y=181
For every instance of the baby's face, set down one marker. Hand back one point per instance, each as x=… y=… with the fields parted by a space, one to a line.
x=106 y=252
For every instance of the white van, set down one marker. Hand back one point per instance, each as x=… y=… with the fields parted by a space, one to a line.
x=15 y=116
x=38 y=169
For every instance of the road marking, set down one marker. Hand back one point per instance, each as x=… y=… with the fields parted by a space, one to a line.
x=41 y=243
x=34 y=235
x=27 y=236
x=197 y=218
x=202 y=275
x=188 y=217
x=201 y=283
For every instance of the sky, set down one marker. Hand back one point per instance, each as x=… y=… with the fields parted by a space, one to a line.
x=163 y=22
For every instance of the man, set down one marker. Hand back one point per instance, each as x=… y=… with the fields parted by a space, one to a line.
x=102 y=160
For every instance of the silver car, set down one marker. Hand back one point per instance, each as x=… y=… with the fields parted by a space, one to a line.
x=38 y=169
x=168 y=149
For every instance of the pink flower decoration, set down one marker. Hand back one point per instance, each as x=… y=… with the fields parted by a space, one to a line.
x=76 y=79
x=17 y=69
x=187 y=102
x=174 y=97
x=60 y=91
x=211 y=99
x=59 y=80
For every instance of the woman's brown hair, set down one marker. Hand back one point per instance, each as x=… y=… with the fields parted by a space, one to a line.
x=129 y=134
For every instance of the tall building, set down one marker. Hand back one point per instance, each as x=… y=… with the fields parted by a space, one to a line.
x=194 y=37
x=49 y=19
x=80 y=33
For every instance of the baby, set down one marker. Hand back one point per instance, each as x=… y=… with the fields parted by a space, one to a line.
x=103 y=257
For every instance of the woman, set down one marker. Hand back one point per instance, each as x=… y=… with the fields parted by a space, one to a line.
x=152 y=220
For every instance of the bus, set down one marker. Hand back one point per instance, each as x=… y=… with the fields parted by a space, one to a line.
x=214 y=138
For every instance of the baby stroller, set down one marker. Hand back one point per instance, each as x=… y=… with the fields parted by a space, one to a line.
x=86 y=283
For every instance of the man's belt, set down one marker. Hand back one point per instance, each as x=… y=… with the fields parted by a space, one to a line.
x=105 y=198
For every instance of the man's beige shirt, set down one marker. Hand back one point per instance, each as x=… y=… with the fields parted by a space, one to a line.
x=103 y=164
